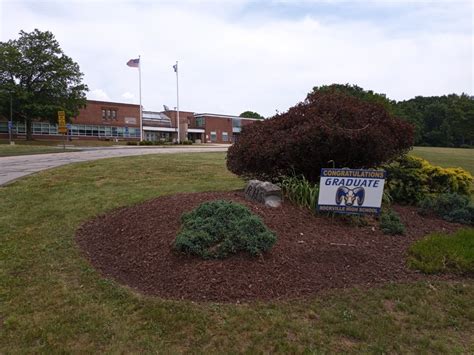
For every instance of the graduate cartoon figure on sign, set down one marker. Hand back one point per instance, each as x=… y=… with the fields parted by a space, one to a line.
x=350 y=196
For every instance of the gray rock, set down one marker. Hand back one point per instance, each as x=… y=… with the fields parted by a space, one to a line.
x=273 y=201
x=264 y=192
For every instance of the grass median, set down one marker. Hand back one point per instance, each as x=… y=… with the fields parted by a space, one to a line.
x=447 y=157
x=13 y=150
x=54 y=301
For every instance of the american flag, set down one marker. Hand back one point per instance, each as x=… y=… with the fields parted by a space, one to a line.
x=134 y=63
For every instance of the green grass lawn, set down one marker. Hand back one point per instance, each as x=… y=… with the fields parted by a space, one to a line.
x=447 y=157
x=11 y=150
x=56 y=142
x=442 y=253
x=53 y=301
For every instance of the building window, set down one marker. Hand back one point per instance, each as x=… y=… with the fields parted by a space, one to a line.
x=236 y=122
x=200 y=121
x=225 y=137
x=213 y=136
x=103 y=114
x=114 y=114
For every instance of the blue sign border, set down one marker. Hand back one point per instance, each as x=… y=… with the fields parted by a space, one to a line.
x=359 y=170
x=351 y=209
x=348 y=209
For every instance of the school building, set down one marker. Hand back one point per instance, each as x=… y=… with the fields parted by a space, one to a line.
x=102 y=120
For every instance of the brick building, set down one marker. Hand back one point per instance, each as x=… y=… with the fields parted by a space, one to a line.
x=203 y=127
x=101 y=120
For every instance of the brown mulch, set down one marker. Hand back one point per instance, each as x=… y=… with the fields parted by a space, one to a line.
x=133 y=245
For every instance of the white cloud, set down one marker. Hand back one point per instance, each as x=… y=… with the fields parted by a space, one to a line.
x=261 y=63
x=98 y=94
x=128 y=96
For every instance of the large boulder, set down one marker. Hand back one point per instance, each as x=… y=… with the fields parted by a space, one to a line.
x=264 y=192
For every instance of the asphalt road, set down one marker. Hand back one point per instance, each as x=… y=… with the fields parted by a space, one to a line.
x=15 y=167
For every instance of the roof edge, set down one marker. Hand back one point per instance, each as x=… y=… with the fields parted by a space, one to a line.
x=112 y=102
x=225 y=116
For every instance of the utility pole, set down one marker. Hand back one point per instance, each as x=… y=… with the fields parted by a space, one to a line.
x=140 y=94
x=10 y=124
x=177 y=99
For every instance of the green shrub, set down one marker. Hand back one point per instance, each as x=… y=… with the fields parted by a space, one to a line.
x=300 y=191
x=145 y=143
x=327 y=125
x=406 y=181
x=411 y=179
x=438 y=253
x=451 y=207
x=353 y=220
x=217 y=229
x=390 y=223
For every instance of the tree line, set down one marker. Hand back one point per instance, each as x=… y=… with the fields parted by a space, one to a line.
x=439 y=121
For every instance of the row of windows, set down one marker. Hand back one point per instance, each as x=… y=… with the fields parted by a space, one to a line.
x=201 y=122
x=40 y=128
x=18 y=128
x=103 y=131
x=108 y=113
x=225 y=136
x=157 y=136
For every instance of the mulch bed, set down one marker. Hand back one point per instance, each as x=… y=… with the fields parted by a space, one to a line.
x=133 y=245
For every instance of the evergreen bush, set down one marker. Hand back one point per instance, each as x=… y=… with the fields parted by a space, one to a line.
x=390 y=223
x=450 y=207
x=217 y=229
x=411 y=179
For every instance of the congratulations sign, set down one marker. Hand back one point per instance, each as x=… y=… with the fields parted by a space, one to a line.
x=351 y=191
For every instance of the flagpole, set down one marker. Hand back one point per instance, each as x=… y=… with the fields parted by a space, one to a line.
x=140 y=94
x=177 y=101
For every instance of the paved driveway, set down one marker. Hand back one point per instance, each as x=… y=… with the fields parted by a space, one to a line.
x=12 y=168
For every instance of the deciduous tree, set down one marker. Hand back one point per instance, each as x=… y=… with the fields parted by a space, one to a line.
x=251 y=114
x=40 y=78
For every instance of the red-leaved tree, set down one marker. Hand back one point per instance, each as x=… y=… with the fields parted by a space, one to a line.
x=327 y=127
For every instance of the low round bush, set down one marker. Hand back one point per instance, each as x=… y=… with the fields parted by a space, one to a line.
x=217 y=229
x=410 y=179
x=451 y=207
x=328 y=127
x=390 y=223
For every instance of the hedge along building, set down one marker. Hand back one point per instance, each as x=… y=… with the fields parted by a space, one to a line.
x=103 y=120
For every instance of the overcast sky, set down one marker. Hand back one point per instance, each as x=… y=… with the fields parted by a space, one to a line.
x=261 y=56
